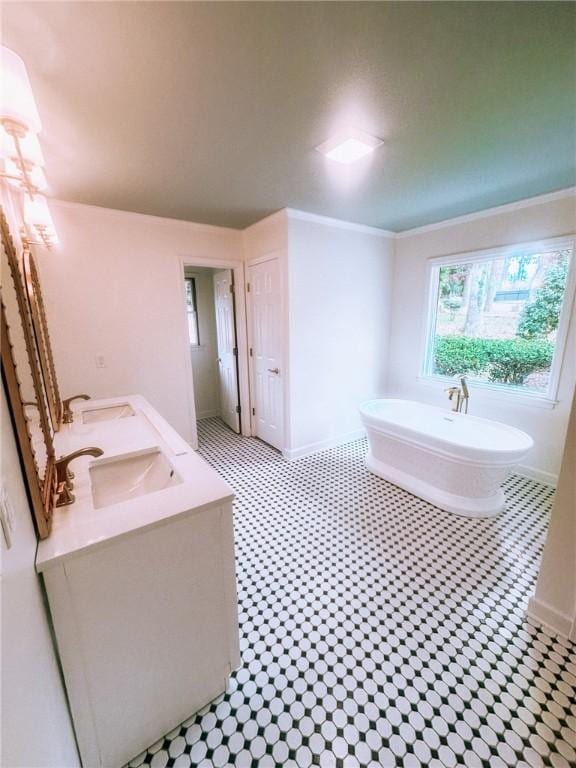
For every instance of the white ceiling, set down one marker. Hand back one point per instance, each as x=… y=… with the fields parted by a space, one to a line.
x=210 y=112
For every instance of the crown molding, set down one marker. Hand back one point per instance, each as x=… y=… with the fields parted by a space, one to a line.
x=316 y=218
x=293 y=213
x=484 y=213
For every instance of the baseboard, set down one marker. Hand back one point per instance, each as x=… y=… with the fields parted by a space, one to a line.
x=554 y=621
x=548 y=478
x=207 y=414
x=322 y=445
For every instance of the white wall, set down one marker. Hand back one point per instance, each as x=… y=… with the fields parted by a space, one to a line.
x=339 y=297
x=554 y=602
x=335 y=286
x=268 y=239
x=513 y=224
x=114 y=288
x=36 y=726
x=205 y=356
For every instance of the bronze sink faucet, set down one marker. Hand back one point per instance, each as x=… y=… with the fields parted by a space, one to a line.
x=64 y=476
x=67 y=415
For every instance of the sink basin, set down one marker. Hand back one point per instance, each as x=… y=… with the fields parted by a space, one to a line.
x=126 y=477
x=107 y=413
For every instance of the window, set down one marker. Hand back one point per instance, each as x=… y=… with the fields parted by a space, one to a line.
x=501 y=317
x=192 y=311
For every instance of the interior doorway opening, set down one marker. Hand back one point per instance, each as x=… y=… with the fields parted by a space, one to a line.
x=213 y=343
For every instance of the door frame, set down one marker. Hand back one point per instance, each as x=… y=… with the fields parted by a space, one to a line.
x=279 y=256
x=238 y=272
x=224 y=279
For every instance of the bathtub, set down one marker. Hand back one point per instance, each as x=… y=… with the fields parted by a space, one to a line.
x=455 y=461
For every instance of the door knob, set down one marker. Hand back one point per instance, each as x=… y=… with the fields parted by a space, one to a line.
x=274 y=370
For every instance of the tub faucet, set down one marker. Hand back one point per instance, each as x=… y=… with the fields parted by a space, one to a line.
x=465 y=394
x=64 y=476
x=459 y=396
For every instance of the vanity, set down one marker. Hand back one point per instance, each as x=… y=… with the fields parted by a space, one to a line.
x=139 y=573
x=136 y=543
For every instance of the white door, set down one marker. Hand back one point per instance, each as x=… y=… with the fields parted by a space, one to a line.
x=264 y=301
x=227 y=350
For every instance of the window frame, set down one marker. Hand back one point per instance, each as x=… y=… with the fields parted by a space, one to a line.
x=519 y=393
x=192 y=279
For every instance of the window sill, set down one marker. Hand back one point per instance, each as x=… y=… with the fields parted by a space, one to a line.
x=494 y=392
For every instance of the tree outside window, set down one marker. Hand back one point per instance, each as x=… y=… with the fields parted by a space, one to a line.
x=496 y=319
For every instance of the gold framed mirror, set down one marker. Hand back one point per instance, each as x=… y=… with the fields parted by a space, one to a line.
x=24 y=387
x=42 y=335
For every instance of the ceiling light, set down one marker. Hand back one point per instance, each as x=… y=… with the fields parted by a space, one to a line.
x=349 y=146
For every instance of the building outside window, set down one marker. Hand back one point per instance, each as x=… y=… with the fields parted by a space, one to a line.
x=501 y=317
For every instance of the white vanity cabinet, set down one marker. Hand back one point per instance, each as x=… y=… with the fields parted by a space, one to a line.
x=143 y=601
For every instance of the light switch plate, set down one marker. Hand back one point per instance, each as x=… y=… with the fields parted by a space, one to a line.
x=7 y=518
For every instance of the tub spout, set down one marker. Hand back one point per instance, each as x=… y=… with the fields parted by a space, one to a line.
x=454 y=396
x=459 y=396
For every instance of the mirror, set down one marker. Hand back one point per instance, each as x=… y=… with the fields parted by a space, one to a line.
x=21 y=374
x=42 y=336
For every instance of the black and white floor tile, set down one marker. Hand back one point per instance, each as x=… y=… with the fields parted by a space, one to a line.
x=377 y=630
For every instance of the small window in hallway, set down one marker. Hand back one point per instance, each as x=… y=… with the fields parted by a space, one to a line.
x=192 y=310
x=501 y=317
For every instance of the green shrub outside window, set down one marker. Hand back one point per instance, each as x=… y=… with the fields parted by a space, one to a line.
x=496 y=319
x=507 y=361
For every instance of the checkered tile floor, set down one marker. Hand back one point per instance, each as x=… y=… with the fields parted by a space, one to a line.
x=377 y=630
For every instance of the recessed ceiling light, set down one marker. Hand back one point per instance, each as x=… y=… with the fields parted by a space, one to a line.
x=349 y=146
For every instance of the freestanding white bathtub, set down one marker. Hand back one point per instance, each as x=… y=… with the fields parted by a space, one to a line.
x=455 y=461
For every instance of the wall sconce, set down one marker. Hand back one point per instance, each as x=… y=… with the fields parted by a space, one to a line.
x=30 y=158
x=39 y=219
x=32 y=181
x=20 y=151
x=18 y=107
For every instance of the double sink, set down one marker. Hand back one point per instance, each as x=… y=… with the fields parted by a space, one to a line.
x=129 y=475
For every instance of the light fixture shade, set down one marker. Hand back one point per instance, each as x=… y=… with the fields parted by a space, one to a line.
x=16 y=98
x=37 y=215
x=29 y=147
x=15 y=176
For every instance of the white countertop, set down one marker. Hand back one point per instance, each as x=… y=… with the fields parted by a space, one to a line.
x=80 y=527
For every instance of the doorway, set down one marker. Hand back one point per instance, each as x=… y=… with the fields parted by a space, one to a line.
x=212 y=336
